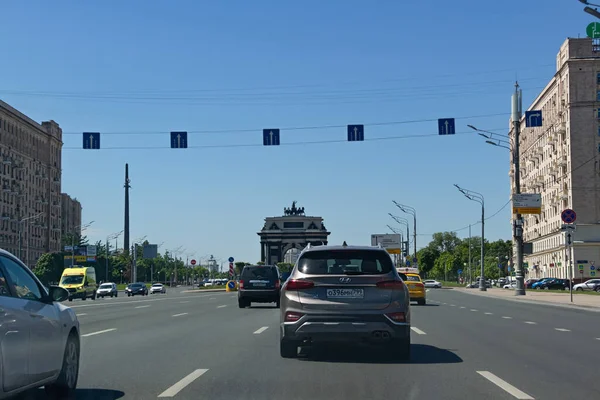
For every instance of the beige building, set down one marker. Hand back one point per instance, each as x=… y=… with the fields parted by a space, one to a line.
x=30 y=169
x=70 y=215
x=560 y=160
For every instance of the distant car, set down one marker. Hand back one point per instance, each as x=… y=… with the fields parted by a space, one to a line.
x=259 y=284
x=432 y=283
x=136 y=288
x=39 y=336
x=107 y=289
x=416 y=289
x=590 y=284
x=158 y=288
x=345 y=294
x=512 y=285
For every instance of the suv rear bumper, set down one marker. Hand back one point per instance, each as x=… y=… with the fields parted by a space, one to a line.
x=266 y=296
x=315 y=328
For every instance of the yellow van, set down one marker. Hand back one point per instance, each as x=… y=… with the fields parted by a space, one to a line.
x=80 y=282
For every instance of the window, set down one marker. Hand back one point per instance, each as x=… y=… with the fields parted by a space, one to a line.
x=345 y=262
x=3 y=286
x=23 y=283
x=598 y=95
x=259 y=273
x=598 y=78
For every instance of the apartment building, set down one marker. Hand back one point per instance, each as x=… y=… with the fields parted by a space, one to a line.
x=70 y=215
x=561 y=161
x=30 y=170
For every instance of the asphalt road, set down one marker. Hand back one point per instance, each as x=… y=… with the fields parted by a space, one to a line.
x=202 y=346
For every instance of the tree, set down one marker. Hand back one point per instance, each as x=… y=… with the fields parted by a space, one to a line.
x=444 y=242
x=49 y=267
x=426 y=258
x=285 y=267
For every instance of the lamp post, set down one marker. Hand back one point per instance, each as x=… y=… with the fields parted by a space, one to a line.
x=402 y=221
x=81 y=228
x=20 y=224
x=590 y=10
x=478 y=197
x=108 y=238
x=409 y=210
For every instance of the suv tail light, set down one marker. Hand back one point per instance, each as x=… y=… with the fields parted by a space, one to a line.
x=394 y=285
x=397 y=317
x=291 y=316
x=241 y=284
x=299 y=284
x=277 y=284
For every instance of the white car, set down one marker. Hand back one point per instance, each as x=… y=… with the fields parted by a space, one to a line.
x=107 y=289
x=432 y=283
x=39 y=336
x=512 y=285
x=158 y=288
x=590 y=284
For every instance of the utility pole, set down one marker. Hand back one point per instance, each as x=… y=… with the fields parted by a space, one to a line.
x=470 y=273
x=517 y=103
x=126 y=227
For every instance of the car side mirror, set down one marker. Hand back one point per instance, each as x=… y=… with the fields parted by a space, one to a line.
x=403 y=276
x=58 y=294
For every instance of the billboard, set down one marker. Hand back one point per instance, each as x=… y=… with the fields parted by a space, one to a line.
x=150 y=251
x=387 y=241
x=81 y=254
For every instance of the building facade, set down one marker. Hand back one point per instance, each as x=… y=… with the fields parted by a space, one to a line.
x=70 y=215
x=561 y=161
x=30 y=170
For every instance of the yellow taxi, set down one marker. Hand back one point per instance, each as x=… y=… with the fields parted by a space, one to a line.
x=416 y=288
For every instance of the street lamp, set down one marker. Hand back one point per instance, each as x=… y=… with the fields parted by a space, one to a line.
x=590 y=10
x=108 y=238
x=409 y=210
x=20 y=223
x=81 y=228
x=478 y=197
x=402 y=221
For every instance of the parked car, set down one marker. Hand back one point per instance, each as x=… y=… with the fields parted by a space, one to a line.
x=590 y=284
x=136 y=288
x=345 y=294
x=432 y=283
x=107 y=289
x=33 y=318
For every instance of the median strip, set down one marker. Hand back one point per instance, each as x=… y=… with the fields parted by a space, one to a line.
x=99 y=332
x=176 y=388
x=507 y=387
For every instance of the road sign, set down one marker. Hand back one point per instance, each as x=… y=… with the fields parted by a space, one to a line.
x=592 y=268
x=414 y=259
x=446 y=126
x=408 y=263
x=193 y=262
x=459 y=271
x=593 y=30
x=231 y=259
x=393 y=251
x=270 y=137
x=179 y=140
x=387 y=241
x=356 y=133
x=533 y=118
x=231 y=269
x=592 y=273
x=91 y=140
x=527 y=203
x=568 y=216
x=231 y=284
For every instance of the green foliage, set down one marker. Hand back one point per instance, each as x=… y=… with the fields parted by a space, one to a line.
x=49 y=268
x=285 y=267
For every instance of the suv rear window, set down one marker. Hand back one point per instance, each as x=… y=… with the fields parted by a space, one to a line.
x=259 y=273
x=335 y=262
x=414 y=278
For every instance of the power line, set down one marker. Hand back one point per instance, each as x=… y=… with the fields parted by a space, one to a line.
x=295 y=128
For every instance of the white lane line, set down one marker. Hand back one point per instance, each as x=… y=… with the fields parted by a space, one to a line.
x=82 y=314
x=562 y=330
x=489 y=313
x=261 y=330
x=598 y=338
x=462 y=307
x=507 y=387
x=99 y=332
x=148 y=305
x=417 y=330
x=213 y=298
x=222 y=306
x=507 y=317
x=176 y=388
x=444 y=303
x=472 y=309
x=179 y=315
x=426 y=290
x=183 y=302
x=531 y=322
x=452 y=305
x=116 y=303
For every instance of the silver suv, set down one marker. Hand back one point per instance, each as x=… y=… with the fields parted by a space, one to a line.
x=345 y=294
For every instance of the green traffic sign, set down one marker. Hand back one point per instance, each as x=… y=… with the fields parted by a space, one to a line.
x=593 y=30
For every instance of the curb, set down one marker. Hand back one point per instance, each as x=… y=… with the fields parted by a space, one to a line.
x=538 y=302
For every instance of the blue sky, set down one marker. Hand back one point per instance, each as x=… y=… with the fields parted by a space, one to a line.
x=136 y=70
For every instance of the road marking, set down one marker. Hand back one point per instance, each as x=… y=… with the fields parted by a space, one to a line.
x=179 y=315
x=221 y=306
x=148 y=305
x=99 y=332
x=507 y=387
x=562 y=330
x=82 y=314
x=472 y=309
x=489 y=313
x=507 y=317
x=261 y=330
x=426 y=290
x=176 y=388
x=115 y=302
x=213 y=298
x=183 y=302
x=462 y=307
x=417 y=330
x=598 y=338
x=531 y=322
x=444 y=303
x=452 y=305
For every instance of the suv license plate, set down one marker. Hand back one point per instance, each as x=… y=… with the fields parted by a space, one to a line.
x=345 y=293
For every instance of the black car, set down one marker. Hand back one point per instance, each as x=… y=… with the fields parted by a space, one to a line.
x=259 y=284
x=136 y=288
